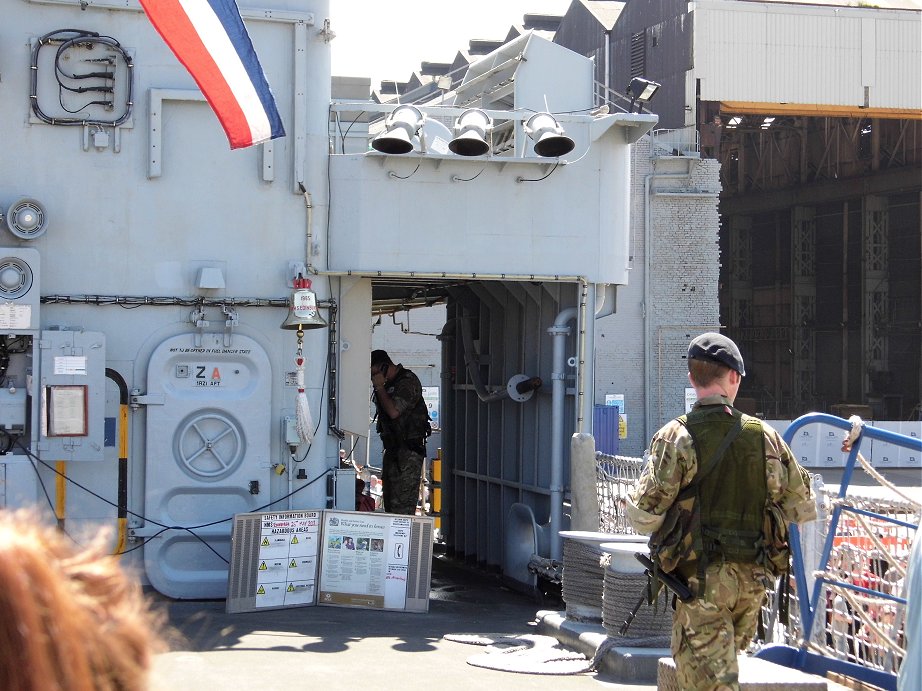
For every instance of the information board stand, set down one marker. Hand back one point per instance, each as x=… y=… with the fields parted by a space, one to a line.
x=376 y=560
x=342 y=558
x=274 y=560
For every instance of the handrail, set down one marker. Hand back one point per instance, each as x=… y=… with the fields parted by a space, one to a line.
x=808 y=609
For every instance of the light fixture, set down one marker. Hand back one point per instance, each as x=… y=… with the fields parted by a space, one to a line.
x=471 y=133
x=548 y=135
x=302 y=308
x=641 y=90
x=401 y=126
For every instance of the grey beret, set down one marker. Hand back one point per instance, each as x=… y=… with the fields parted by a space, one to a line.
x=717 y=348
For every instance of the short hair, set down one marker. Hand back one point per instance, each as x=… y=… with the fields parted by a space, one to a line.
x=380 y=357
x=706 y=372
x=70 y=618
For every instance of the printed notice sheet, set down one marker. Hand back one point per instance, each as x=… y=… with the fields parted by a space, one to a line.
x=365 y=559
x=286 y=570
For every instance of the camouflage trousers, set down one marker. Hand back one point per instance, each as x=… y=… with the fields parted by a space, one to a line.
x=708 y=631
x=401 y=472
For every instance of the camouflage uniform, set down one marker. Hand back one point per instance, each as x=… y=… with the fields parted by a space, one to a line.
x=708 y=631
x=404 y=440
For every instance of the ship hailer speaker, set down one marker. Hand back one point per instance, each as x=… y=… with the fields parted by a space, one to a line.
x=26 y=218
x=19 y=289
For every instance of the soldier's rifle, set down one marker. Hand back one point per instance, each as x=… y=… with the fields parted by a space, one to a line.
x=656 y=579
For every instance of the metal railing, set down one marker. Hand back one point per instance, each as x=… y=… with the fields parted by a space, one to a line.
x=615 y=477
x=682 y=141
x=849 y=585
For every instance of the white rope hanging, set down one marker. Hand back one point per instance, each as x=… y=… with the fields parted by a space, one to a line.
x=304 y=422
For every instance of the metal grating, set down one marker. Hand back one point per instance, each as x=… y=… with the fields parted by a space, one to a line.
x=425 y=561
x=413 y=563
x=244 y=552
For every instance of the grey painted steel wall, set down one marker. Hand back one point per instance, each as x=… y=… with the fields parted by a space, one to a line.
x=494 y=216
x=126 y=219
x=496 y=454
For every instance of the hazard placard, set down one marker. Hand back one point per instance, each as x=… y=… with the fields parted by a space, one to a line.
x=285 y=560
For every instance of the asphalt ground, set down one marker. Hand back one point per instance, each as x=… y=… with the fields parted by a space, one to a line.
x=324 y=647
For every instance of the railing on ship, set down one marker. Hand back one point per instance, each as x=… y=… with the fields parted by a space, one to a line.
x=852 y=612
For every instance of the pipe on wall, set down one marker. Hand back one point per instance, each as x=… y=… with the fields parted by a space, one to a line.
x=559 y=331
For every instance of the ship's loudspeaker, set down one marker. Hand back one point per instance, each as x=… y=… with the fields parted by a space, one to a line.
x=19 y=275
x=26 y=218
x=20 y=289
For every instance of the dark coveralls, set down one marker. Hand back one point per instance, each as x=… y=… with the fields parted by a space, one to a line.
x=404 y=440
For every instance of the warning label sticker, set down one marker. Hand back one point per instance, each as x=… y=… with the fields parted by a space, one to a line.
x=13 y=316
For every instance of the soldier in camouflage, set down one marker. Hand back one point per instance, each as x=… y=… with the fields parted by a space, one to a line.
x=403 y=423
x=716 y=497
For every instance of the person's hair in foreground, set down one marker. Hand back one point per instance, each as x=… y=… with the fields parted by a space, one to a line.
x=70 y=618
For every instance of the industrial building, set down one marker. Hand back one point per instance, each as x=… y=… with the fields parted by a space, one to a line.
x=814 y=112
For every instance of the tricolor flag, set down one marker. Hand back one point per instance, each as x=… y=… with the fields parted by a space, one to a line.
x=209 y=38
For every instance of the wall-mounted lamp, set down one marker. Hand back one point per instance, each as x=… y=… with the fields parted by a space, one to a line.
x=548 y=136
x=401 y=126
x=471 y=133
x=641 y=90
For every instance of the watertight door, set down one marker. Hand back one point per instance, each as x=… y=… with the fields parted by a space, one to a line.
x=208 y=415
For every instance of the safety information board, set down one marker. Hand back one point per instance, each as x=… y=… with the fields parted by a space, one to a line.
x=348 y=558
x=281 y=551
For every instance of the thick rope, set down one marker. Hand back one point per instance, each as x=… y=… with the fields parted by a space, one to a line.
x=652 y=625
x=583 y=575
x=857 y=424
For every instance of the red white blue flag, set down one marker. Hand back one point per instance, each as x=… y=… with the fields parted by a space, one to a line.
x=209 y=38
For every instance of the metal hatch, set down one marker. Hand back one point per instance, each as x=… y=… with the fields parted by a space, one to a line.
x=208 y=422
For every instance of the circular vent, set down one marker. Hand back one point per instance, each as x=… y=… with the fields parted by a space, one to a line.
x=26 y=219
x=15 y=278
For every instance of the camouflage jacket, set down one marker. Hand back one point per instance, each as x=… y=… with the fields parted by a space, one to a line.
x=672 y=463
x=412 y=421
